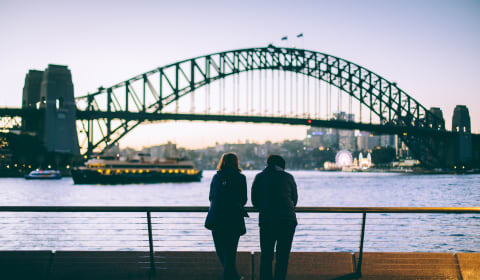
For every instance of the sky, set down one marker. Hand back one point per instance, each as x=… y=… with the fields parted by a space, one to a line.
x=431 y=49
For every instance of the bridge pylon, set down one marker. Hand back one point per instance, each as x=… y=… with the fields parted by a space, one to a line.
x=463 y=139
x=52 y=92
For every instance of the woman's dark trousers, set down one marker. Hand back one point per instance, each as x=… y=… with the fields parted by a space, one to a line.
x=226 y=243
x=280 y=234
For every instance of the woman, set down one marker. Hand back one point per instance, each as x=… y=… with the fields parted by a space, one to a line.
x=228 y=195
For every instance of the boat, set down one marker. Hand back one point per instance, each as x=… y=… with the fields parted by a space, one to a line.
x=115 y=171
x=43 y=174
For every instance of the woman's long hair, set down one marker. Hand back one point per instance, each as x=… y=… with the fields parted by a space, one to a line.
x=229 y=161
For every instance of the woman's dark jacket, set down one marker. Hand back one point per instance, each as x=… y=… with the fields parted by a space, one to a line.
x=228 y=195
x=274 y=194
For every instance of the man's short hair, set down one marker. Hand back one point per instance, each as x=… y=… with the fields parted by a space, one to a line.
x=276 y=160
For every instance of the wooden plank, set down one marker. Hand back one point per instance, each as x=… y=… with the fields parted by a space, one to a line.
x=314 y=265
x=24 y=264
x=100 y=265
x=205 y=265
x=197 y=265
x=409 y=266
x=469 y=265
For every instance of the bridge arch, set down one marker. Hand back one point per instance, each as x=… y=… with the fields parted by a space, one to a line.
x=383 y=98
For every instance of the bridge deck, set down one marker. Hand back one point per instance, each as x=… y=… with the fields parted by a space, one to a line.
x=204 y=265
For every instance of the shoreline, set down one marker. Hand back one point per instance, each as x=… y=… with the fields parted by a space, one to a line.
x=410 y=171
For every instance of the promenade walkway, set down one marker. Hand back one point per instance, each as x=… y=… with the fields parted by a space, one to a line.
x=204 y=265
x=172 y=243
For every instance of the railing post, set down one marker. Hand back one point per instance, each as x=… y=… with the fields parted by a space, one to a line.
x=150 y=243
x=252 y=259
x=360 y=253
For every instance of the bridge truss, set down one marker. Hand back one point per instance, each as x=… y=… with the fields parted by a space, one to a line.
x=278 y=83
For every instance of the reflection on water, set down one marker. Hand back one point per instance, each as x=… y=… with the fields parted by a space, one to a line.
x=185 y=231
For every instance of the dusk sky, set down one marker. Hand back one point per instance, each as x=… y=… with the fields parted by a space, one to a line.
x=431 y=49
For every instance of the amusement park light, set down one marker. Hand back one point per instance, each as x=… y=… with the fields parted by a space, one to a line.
x=343 y=158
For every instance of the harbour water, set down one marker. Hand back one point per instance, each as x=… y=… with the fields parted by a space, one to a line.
x=315 y=232
x=315 y=189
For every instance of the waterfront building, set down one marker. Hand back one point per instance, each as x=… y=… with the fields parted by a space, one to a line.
x=366 y=141
x=164 y=151
x=362 y=140
x=387 y=141
x=5 y=153
x=346 y=138
x=324 y=138
x=321 y=137
x=113 y=150
x=364 y=162
x=157 y=152
x=341 y=139
x=402 y=150
x=219 y=147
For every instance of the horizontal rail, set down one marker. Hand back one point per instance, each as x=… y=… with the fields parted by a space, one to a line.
x=181 y=228
x=444 y=210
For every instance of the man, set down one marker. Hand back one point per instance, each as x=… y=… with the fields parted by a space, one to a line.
x=274 y=194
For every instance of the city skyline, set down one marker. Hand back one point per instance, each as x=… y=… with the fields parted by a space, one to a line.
x=429 y=48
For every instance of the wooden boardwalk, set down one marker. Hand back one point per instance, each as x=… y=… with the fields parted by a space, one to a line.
x=204 y=265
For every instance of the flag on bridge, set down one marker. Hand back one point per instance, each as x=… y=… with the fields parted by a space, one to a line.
x=300 y=35
x=284 y=38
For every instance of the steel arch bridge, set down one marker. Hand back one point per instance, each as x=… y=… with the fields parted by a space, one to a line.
x=113 y=112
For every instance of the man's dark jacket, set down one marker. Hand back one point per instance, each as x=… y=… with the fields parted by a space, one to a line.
x=274 y=194
x=228 y=195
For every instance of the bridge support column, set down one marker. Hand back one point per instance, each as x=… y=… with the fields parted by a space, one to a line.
x=463 y=141
x=31 y=100
x=56 y=93
x=437 y=151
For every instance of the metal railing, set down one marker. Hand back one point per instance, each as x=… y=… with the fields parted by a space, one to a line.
x=180 y=227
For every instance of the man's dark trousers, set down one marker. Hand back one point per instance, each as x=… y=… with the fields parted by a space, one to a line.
x=280 y=233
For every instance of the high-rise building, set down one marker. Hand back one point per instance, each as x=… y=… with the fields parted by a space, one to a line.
x=343 y=139
x=346 y=138
x=387 y=141
x=362 y=140
x=321 y=137
x=333 y=138
x=164 y=151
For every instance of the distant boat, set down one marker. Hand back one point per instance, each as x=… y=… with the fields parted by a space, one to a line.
x=43 y=174
x=104 y=171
